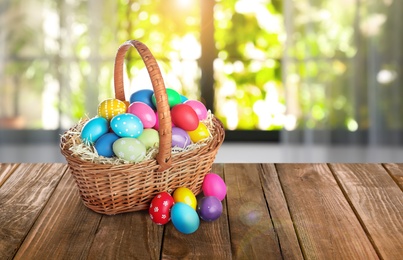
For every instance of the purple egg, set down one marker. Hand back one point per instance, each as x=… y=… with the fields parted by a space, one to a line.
x=180 y=137
x=209 y=208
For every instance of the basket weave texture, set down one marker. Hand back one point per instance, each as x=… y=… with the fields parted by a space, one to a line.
x=119 y=188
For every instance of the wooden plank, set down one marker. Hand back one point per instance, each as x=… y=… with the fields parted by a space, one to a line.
x=22 y=197
x=6 y=169
x=396 y=171
x=251 y=229
x=64 y=230
x=210 y=241
x=279 y=213
x=379 y=203
x=326 y=225
x=127 y=236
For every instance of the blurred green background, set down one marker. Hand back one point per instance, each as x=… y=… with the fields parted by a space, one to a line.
x=276 y=64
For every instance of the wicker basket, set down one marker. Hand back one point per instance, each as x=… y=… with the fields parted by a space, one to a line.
x=118 y=188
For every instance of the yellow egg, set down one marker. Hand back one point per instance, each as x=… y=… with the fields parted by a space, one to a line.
x=186 y=196
x=111 y=107
x=199 y=134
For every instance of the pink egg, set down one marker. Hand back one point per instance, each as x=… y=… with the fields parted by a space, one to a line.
x=185 y=117
x=198 y=107
x=214 y=185
x=144 y=112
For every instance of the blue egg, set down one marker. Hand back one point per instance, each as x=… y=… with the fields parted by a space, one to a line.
x=127 y=125
x=184 y=99
x=144 y=96
x=94 y=129
x=184 y=218
x=104 y=144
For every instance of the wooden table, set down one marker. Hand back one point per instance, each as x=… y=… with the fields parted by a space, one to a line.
x=272 y=211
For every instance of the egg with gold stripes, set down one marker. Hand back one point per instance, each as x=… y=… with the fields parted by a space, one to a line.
x=111 y=107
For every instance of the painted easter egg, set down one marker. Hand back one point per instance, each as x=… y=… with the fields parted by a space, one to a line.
x=184 y=218
x=111 y=107
x=174 y=98
x=185 y=117
x=149 y=138
x=144 y=112
x=160 y=208
x=127 y=125
x=183 y=99
x=104 y=144
x=180 y=138
x=129 y=149
x=143 y=95
x=200 y=133
x=214 y=185
x=199 y=108
x=94 y=129
x=209 y=208
x=186 y=196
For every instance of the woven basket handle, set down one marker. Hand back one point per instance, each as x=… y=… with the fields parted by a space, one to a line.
x=164 y=115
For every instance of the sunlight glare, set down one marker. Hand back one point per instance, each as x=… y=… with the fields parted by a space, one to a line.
x=184 y=3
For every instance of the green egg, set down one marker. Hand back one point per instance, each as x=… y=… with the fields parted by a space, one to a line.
x=149 y=138
x=174 y=98
x=129 y=149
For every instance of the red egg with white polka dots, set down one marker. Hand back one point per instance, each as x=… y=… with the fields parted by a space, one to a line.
x=160 y=208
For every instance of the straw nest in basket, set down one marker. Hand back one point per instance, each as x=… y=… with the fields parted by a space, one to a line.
x=88 y=153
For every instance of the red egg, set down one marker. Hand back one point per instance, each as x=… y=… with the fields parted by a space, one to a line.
x=160 y=208
x=185 y=117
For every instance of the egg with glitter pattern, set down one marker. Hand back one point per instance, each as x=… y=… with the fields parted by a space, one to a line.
x=127 y=125
x=129 y=149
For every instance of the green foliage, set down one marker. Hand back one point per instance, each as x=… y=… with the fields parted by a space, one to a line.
x=251 y=51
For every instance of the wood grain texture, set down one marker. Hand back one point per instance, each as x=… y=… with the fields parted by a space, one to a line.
x=64 y=230
x=22 y=197
x=326 y=225
x=279 y=213
x=251 y=230
x=396 y=171
x=210 y=241
x=378 y=201
x=127 y=236
x=6 y=169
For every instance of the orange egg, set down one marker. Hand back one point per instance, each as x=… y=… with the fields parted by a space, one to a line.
x=200 y=133
x=111 y=107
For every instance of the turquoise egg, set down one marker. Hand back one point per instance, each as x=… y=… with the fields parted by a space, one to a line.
x=127 y=125
x=94 y=129
x=184 y=218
